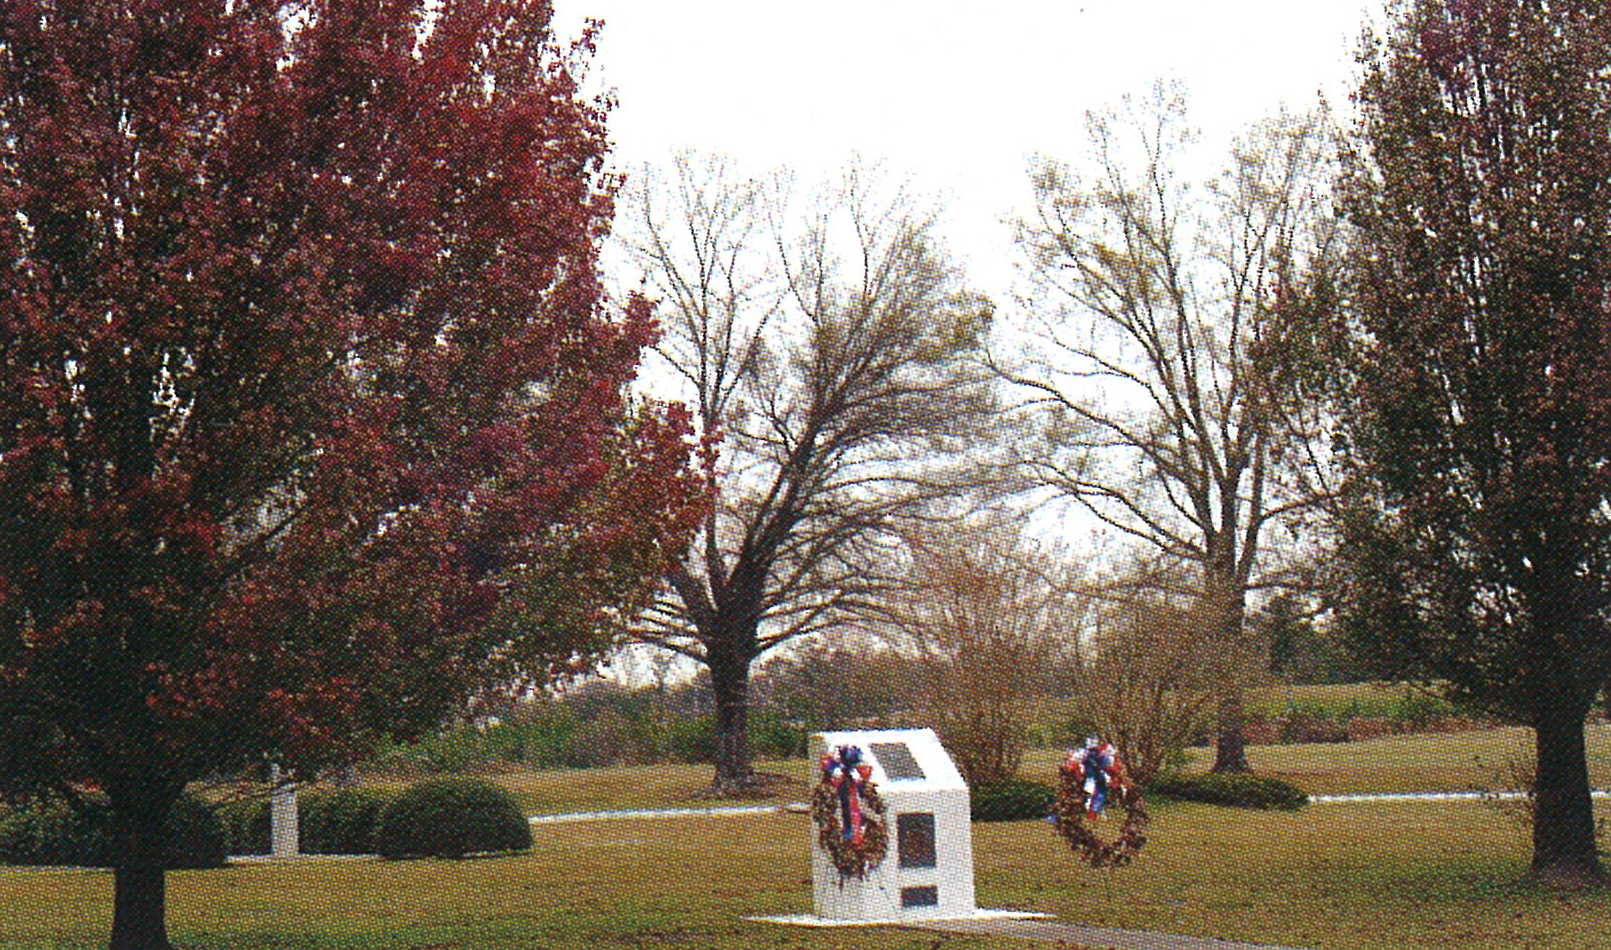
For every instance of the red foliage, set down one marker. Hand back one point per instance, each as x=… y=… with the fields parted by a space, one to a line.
x=306 y=377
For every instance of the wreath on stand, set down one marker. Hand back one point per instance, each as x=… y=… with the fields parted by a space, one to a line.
x=1092 y=777
x=849 y=814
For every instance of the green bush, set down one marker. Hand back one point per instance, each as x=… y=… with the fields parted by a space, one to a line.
x=773 y=737
x=1238 y=790
x=548 y=739
x=246 y=825
x=53 y=833
x=1012 y=800
x=689 y=739
x=451 y=817
x=195 y=837
x=1417 y=710
x=341 y=822
x=50 y=832
x=606 y=740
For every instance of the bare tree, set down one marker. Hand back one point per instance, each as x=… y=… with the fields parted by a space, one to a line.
x=1169 y=390
x=1149 y=681
x=833 y=352
x=985 y=612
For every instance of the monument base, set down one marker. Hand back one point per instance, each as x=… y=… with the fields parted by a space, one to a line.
x=812 y=920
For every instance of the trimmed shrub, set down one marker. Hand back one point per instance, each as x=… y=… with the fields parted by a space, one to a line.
x=247 y=826
x=1237 y=790
x=53 y=833
x=451 y=817
x=195 y=836
x=690 y=739
x=1012 y=800
x=341 y=822
x=773 y=737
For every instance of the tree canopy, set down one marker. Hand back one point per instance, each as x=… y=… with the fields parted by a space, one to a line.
x=1477 y=544
x=313 y=412
x=1167 y=389
x=831 y=350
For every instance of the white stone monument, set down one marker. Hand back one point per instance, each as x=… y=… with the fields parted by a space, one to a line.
x=927 y=873
x=284 y=839
x=928 y=870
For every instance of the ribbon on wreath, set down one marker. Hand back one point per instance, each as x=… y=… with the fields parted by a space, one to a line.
x=848 y=774
x=1096 y=768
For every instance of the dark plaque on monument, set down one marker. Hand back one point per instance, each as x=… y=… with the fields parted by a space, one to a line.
x=914 y=839
x=897 y=761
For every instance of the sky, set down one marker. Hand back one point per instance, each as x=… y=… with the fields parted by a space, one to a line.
x=955 y=96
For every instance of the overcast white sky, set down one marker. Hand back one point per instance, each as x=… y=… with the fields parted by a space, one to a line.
x=956 y=95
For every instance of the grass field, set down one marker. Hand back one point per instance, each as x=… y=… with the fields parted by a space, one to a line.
x=1339 y=877
x=1448 y=762
x=1326 y=877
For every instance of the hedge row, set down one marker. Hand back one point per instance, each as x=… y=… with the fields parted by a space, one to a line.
x=341 y=822
x=451 y=817
x=446 y=817
x=53 y=833
x=1238 y=790
x=441 y=818
x=1021 y=799
x=1012 y=800
x=560 y=739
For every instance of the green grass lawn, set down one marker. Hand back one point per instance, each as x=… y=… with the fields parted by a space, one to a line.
x=1339 y=877
x=1431 y=875
x=1447 y=762
x=1431 y=762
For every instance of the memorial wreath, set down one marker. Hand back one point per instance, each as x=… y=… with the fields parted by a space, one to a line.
x=849 y=814
x=1092 y=777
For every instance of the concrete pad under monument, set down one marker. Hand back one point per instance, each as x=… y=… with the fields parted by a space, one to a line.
x=928 y=872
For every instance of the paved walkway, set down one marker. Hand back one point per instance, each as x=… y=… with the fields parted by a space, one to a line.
x=1426 y=797
x=1077 y=937
x=657 y=813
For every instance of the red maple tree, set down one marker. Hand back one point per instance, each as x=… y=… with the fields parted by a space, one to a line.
x=312 y=412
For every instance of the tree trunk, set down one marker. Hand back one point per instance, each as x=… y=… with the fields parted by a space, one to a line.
x=734 y=770
x=1563 y=815
x=139 y=908
x=140 y=892
x=1230 y=742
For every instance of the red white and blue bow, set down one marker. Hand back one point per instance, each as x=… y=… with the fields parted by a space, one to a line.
x=1096 y=768
x=849 y=775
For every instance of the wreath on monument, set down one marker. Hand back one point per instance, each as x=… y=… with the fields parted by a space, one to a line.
x=849 y=814
x=1092 y=778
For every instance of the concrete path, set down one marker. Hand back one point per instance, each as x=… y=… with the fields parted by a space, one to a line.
x=656 y=813
x=1426 y=797
x=1077 y=937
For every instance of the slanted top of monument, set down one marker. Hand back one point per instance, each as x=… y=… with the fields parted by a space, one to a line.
x=902 y=759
